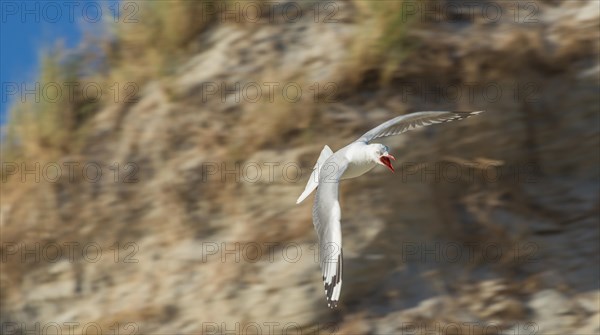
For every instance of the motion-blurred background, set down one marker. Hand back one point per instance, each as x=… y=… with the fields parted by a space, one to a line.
x=149 y=175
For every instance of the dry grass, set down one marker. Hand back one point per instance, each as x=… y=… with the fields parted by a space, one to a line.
x=271 y=122
x=381 y=43
x=145 y=44
x=47 y=125
x=148 y=46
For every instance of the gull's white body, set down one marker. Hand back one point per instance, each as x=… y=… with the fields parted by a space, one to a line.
x=353 y=160
x=358 y=164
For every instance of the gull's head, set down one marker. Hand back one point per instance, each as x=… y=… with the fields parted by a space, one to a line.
x=381 y=155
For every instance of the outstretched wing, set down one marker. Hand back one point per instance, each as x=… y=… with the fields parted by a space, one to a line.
x=313 y=181
x=326 y=218
x=403 y=123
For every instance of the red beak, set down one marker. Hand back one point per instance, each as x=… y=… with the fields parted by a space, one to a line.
x=385 y=159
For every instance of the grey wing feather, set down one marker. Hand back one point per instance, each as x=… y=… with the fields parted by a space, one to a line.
x=403 y=123
x=326 y=218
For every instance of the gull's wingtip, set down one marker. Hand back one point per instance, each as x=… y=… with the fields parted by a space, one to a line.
x=469 y=112
x=306 y=193
x=302 y=197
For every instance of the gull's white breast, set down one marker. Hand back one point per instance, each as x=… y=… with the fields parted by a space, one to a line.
x=357 y=169
x=359 y=162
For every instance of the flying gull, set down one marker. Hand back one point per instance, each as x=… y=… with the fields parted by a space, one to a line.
x=353 y=160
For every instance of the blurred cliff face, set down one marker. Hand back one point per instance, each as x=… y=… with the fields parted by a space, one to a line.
x=166 y=204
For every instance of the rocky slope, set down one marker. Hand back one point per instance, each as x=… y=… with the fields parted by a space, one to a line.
x=505 y=240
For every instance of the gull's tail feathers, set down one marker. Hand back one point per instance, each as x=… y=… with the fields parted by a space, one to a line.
x=313 y=181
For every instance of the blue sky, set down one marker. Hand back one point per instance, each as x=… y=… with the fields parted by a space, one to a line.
x=28 y=27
